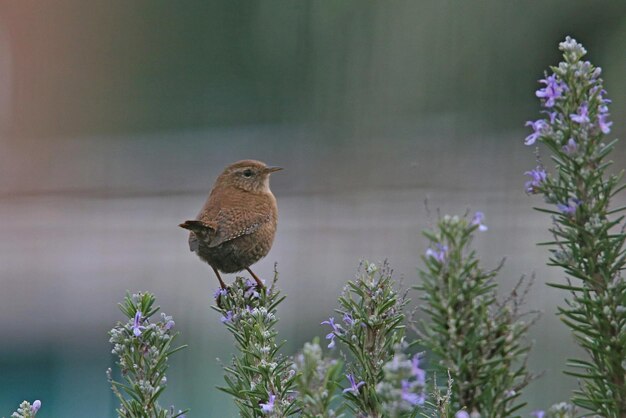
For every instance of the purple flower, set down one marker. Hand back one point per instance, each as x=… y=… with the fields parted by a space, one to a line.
x=478 y=220
x=170 y=324
x=603 y=99
x=582 y=115
x=539 y=126
x=603 y=109
x=604 y=125
x=538 y=414
x=537 y=177
x=420 y=374
x=250 y=291
x=269 y=406
x=570 y=207
x=438 y=254
x=571 y=147
x=137 y=327
x=35 y=406
x=331 y=337
x=227 y=318
x=347 y=318
x=354 y=387
x=461 y=414
x=336 y=330
x=219 y=292
x=331 y=322
x=411 y=397
x=551 y=91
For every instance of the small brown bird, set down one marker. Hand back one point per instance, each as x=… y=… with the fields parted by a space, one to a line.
x=236 y=225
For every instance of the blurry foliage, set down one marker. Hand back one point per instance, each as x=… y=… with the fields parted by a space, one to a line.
x=339 y=64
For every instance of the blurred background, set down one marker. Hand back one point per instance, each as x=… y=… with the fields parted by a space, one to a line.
x=115 y=118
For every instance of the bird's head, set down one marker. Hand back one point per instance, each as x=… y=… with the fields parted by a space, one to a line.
x=249 y=175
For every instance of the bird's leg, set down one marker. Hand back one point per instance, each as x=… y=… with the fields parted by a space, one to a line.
x=223 y=285
x=258 y=281
x=217 y=273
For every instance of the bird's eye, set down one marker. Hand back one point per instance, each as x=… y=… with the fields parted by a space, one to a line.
x=247 y=173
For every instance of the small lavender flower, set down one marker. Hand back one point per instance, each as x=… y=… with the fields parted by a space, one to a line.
x=570 y=207
x=137 y=327
x=347 y=318
x=538 y=414
x=269 y=406
x=227 y=318
x=582 y=115
x=551 y=91
x=331 y=337
x=602 y=108
x=551 y=115
x=478 y=220
x=35 y=406
x=439 y=254
x=537 y=177
x=603 y=124
x=411 y=397
x=539 y=127
x=251 y=291
x=461 y=414
x=219 y=292
x=336 y=331
x=167 y=321
x=571 y=147
x=354 y=387
x=420 y=374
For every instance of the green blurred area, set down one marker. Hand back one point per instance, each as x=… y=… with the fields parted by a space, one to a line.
x=115 y=116
x=119 y=67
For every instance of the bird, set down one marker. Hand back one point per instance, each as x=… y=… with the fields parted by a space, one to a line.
x=236 y=225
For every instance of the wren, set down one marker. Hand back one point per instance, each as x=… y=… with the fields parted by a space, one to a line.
x=236 y=226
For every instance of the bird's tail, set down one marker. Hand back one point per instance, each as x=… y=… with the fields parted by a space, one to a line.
x=197 y=226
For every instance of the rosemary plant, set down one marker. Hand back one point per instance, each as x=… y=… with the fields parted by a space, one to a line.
x=383 y=381
x=588 y=244
x=318 y=382
x=260 y=379
x=143 y=348
x=26 y=410
x=478 y=340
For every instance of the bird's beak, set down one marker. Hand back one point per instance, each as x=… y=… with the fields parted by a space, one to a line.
x=272 y=169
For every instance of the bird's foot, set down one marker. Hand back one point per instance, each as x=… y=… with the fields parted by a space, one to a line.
x=259 y=282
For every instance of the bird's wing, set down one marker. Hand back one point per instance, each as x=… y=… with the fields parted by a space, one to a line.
x=236 y=222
